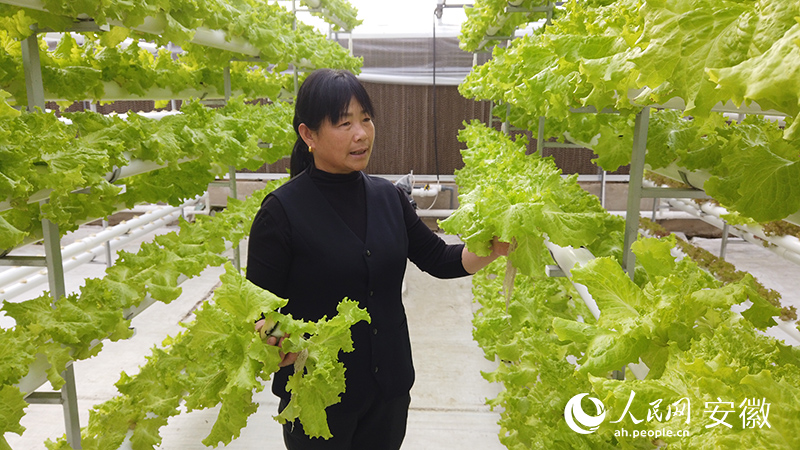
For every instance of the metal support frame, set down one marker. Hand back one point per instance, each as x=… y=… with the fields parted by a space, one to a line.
x=237 y=256
x=602 y=174
x=656 y=202
x=53 y=260
x=107 y=245
x=723 y=246
x=55 y=277
x=10 y=260
x=506 y=126
x=635 y=189
x=33 y=72
x=540 y=144
x=665 y=192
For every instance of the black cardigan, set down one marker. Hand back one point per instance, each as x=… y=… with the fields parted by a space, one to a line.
x=322 y=237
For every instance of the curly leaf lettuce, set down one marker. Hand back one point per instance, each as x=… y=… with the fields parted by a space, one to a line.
x=219 y=360
x=522 y=198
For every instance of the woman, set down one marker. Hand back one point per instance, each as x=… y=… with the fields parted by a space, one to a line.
x=332 y=232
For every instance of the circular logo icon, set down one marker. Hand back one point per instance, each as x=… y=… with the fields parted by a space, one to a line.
x=579 y=421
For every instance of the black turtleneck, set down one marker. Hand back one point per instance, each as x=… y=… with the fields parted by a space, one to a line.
x=346 y=194
x=269 y=250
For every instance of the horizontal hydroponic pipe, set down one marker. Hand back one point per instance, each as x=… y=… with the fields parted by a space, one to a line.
x=697 y=179
x=317 y=5
x=91 y=246
x=785 y=331
x=567 y=258
x=414 y=80
x=203 y=36
x=134 y=167
x=37 y=372
x=114 y=92
x=790 y=243
x=781 y=251
x=789 y=329
x=728 y=106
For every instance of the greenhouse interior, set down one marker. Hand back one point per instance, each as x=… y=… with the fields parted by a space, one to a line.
x=626 y=171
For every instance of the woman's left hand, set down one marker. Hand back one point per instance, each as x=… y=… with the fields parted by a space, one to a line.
x=499 y=247
x=286 y=358
x=473 y=263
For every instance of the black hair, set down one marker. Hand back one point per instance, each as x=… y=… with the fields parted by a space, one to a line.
x=325 y=94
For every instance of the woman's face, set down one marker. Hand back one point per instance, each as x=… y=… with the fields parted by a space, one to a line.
x=345 y=146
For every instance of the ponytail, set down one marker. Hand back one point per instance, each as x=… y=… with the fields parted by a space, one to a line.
x=301 y=158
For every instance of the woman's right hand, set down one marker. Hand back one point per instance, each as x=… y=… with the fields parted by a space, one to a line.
x=286 y=358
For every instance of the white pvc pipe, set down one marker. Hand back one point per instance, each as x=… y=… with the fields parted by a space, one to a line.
x=498 y=24
x=430 y=191
x=329 y=17
x=723 y=107
x=317 y=5
x=113 y=91
x=153 y=115
x=134 y=167
x=36 y=376
x=788 y=328
x=697 y=179
x=783 y=252
x=85 y=256
x=203 y=36
x=410 y=80
x=82 y=245
x=567 y=258
x=790 y=243
x=37 y=371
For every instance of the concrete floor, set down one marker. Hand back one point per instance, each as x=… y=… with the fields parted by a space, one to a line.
x=448 y=408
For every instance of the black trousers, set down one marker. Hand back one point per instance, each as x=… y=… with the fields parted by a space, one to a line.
x=380 y=425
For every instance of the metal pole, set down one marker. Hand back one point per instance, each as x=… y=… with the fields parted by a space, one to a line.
x=33 y=72
x=107 y=245
x=602 y=188
x=635 y=188
x=52 y=241
x=656 y=202
x=228 y=88
x=724 y=244
x=232 y=171
x=69 y=400
x=506 y=127
x=350 y=42
x=55 y=267
x=234 y=194
x=295 y=75
x=55 y=275
x=540 y=136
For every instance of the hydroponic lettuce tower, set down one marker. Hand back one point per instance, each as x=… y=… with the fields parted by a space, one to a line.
x=638 y=347
x=56 y=173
